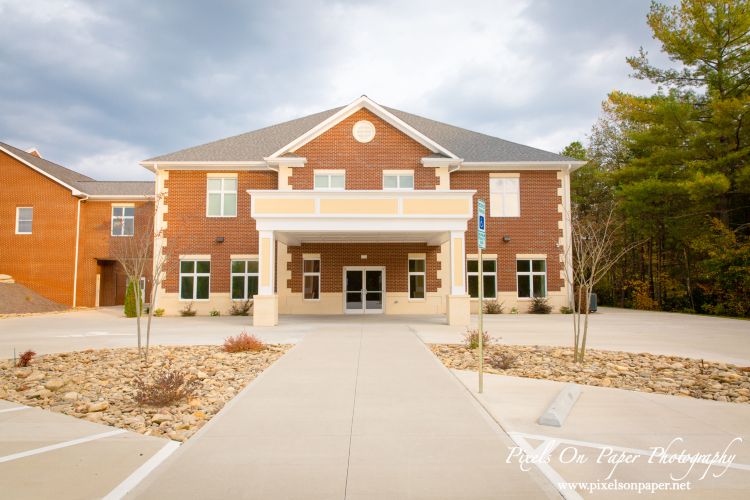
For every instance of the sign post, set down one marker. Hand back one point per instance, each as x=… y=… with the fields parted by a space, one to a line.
x=481 y=243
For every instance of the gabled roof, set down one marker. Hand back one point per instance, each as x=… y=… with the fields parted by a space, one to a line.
x=77 y=182
x=448 y=140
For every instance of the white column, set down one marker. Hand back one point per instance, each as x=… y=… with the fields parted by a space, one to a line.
x=458 y=310
x=458 y=263
x=267 y=257
x=266 y=303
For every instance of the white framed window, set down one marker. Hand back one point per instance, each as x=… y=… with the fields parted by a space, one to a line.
x=24 y=219
x=123 y=220
x=417 y=278
x=489 y=278
x=531 y=275
x=244 y=275
x=329 y=180
x=221 y=196
x=505 y=197
x=195 y=279
x=311 y=279
x=398 y=179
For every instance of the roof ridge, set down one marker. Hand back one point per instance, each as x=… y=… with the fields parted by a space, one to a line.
x=33 y=159
x=275 y=125
x=464 y=129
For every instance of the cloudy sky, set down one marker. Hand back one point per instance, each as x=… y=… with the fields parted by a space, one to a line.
x=98 y=86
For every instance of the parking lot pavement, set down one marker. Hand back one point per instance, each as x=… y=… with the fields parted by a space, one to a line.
x=608 y=427
x=106 y=327
x=49 y=455
x=673 y=334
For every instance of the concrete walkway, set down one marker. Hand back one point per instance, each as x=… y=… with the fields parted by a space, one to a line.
x=355 y=411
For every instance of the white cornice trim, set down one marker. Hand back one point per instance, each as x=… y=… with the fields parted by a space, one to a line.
x=121 y=197
x=525 y=165
x=203 y=165
x=363 y=102
x=298 y=161
x=441 y=162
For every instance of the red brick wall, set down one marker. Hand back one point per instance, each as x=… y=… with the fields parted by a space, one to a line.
x=391 y=149
x=189 y=231
x=98 y=243
x=43 y=260
x=535 y=231
x=335 y=256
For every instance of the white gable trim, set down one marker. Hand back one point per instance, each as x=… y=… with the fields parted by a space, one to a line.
x=74 y=191
x=362 y=102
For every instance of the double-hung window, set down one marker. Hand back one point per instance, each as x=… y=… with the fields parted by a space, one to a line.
x=489 y=278
x=221 y=196
x=417 y=278
x=330 y=180
x=532 y=277
x=311 y=278
x=244 y=279
x=505 y=197
x=195 y=279
x=123 y=220
x=24 y=219
x=398 y=179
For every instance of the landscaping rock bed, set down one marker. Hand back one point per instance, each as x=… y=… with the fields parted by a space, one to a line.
x=637 y=372
x=99 y=385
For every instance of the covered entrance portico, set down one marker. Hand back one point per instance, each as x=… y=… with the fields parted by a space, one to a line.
x=290 y=222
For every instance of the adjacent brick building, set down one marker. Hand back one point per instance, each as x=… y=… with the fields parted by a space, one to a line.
x=56 y=228
x=360 y=209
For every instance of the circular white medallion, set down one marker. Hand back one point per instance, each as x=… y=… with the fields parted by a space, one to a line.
x=363 y=131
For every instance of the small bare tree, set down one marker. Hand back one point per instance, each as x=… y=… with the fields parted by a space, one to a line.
x=592 y=251
x=140 y=258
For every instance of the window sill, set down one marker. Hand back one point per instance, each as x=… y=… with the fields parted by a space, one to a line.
x=195 y=300
x=221 y=216
x=122 y=235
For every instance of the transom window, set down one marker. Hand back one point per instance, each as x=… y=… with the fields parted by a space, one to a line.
x=532 y=277
x=123 y=220
x=244 y=279
x=311 y=279
x=334 y=180
x=24 y=219
x=222 y=196
x=195 y=279
x=417 y=278
x=505 y=199
x=489 y=278
x=398 y=179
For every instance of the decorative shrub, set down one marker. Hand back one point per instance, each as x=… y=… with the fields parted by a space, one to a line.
x=241 y=308
x=167 y=387
x=129 y=307
x=25 y=358
x=539 y=305
x=471 y=339
x=159 y=312
x=188 y=310
x=243 y=343
x=493 y=307
x=514 y=310
x=566 y=310
x=214 y=312
x=502 y=361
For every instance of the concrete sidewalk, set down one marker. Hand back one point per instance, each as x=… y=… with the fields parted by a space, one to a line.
x=351 y=412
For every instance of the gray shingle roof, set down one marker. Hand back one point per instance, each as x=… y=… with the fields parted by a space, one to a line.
x=466 y=144
x=81 y=182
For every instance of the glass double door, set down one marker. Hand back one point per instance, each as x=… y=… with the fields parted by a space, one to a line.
x=363 y=290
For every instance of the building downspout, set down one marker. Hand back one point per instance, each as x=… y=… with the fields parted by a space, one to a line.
x=78 y=236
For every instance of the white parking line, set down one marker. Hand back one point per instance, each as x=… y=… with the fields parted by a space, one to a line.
x=16 y=408
x=65 y=444
x=142 y=472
